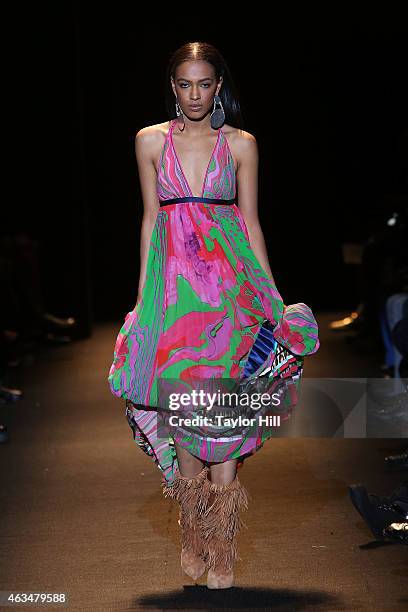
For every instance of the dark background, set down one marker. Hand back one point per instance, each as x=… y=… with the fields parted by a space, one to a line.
x=325 y=96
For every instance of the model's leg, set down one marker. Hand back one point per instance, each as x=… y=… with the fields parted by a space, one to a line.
x=222 y=522
x=223 y=473
x=189 y=490
x=189 y=465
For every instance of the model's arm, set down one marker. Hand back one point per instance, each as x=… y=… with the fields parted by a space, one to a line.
x=145 y=147
x=247 y=180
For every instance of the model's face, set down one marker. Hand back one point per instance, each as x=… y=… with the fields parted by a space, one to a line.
x=195 y=85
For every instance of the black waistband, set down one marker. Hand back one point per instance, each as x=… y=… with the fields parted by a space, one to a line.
x=196 y=199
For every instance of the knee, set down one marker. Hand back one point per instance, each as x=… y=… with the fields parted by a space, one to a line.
x=223 y=473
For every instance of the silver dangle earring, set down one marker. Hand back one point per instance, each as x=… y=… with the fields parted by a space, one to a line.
x=218 y=114
x=180 y=122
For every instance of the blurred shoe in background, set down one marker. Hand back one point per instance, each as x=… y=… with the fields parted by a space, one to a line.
x=397 y=532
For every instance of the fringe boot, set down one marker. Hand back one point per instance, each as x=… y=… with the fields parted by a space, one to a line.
x=220 y=524
x=192 y=497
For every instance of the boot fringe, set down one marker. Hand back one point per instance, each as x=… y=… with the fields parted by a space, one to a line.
x=223 y=515
x=191 y=539
x=221 y=523
x=209 y=529
x=190 y=493
x=192 y=496
x=222 y=555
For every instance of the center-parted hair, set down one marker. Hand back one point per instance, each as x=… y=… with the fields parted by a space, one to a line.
x=194 y=51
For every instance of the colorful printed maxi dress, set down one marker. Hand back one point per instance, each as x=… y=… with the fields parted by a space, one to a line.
x=208 y=311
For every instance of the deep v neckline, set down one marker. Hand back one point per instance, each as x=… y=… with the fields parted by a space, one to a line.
x=181 y=167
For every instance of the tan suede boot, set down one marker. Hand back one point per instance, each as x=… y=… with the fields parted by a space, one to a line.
x=220 y=524
x=193 y=498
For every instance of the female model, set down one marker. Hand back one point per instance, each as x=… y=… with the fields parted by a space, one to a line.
x=206 y=300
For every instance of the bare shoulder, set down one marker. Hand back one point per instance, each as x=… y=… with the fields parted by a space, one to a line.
x=150 y=139
x=152 y=133
x=241 y=142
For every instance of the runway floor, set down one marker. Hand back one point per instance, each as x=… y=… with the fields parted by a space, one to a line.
x=82 y=513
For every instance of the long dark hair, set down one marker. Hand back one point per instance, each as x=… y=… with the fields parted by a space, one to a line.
x=228 y=93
